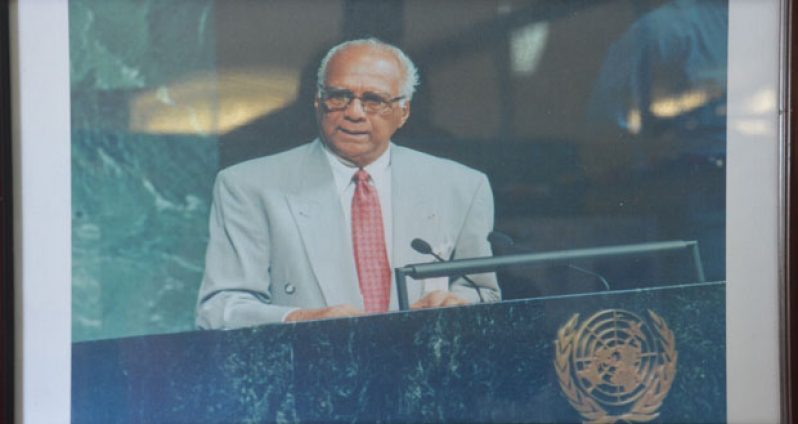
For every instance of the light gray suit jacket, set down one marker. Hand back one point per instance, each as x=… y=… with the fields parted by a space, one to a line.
x=278 y=239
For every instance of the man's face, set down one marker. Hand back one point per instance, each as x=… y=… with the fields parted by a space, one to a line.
x=352 y=132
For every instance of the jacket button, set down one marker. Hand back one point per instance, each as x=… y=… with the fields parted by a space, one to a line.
x=290 y=289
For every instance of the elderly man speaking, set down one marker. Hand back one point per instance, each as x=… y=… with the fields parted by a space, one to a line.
x=314 y=232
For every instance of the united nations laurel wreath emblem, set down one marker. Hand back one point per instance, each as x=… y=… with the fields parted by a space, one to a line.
x=615 y=366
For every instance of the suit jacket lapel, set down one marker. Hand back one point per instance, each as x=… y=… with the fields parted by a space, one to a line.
x=320 y=220
x=413 y=216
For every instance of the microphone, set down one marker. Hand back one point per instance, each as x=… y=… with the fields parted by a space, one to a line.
x=421 y=246
x=498 y=238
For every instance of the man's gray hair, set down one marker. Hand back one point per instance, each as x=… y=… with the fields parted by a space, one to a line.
x=408 y=86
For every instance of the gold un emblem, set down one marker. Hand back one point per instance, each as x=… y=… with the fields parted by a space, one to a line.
x=615 y=366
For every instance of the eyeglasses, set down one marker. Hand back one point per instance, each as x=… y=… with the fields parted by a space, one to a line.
x=372 y=103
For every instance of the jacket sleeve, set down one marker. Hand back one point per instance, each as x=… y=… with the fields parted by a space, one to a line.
x=472 y=243
x=236 y=286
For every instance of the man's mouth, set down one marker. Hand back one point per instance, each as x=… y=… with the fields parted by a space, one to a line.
x=353 y=132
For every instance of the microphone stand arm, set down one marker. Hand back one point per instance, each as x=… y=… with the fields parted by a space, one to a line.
x=459 y=267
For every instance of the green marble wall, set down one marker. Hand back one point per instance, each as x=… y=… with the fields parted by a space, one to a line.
x=140 y=195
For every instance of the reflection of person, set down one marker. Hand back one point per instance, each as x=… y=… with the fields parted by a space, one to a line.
x=663 y=85
x=300 y=235
x=667 y=74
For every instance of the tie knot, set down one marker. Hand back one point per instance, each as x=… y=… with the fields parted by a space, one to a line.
x=361 y=176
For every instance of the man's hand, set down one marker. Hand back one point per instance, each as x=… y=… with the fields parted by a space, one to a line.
x=437 y=299
x=338 y=311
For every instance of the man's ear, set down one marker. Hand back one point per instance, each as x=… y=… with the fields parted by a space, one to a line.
x=405 y=113
x=318 y=108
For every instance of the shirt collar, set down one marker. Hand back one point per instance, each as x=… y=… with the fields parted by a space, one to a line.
x=343 y=170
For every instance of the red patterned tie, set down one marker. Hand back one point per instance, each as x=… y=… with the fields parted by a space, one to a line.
x=368 y=239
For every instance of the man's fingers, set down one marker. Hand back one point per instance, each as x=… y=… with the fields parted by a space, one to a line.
x=429 y=300
x=434 y=299
x=420 y=304
x=438 y=298
x=453 y=300
x=344 y=311
x=337 y=311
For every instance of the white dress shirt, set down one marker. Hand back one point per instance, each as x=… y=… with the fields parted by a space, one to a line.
x=380 y=173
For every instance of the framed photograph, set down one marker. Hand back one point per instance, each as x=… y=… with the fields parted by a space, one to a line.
x=635 y=150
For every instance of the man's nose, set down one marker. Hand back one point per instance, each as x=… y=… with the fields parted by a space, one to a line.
x=354 y=110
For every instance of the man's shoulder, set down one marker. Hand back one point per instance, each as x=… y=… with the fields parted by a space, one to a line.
x=262 y=168
x=425 y=163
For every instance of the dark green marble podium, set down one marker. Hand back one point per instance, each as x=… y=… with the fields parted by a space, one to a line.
x=480 y=363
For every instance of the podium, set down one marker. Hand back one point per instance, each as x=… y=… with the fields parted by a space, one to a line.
x=659 y=352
